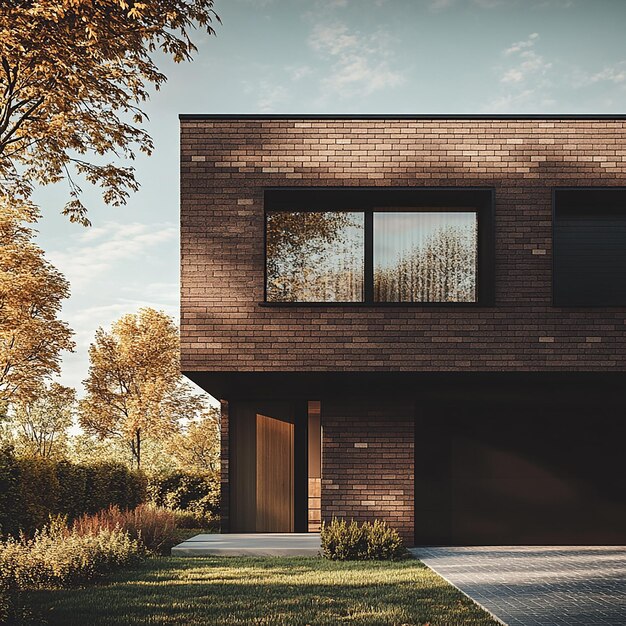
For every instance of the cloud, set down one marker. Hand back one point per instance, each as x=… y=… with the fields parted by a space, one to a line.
x=332 y=4
x=271 y=95
x=522 y=45
x=527 y=62
x=526 y=77
x=441 y=5
x=615 y=74
x=333 y=39
x=359 y=65
x=491 y=4
x=300 y=71
x=100 y=248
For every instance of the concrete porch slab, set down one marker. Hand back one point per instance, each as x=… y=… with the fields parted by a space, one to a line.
x=250 y=544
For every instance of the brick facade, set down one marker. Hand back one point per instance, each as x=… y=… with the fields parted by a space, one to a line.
x=368 y=448
x=367 y=463
x=227 y=163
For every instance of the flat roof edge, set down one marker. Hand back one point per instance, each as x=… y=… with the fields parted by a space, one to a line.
x=402 y=116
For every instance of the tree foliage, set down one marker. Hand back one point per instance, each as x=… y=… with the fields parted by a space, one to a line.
x=41 y=424
x=31 y=293
x=134 y=388
x=197 y=447
x=314 y=256
x=73 y=77
x=443 y=269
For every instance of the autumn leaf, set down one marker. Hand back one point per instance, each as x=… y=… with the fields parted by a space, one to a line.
x=32 y=338
x=73 y=75
x=134 y=389
x=40 y=425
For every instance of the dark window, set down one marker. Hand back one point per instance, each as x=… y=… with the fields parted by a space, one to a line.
x=589 y=247
x=379 y=246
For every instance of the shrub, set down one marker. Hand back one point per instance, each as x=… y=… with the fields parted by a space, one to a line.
x=187 y=519
x=9 y=490
x=153 y=526
x=345 y=541
x=383 y=543
x=197 y=493
x=31 y=489
x=60 y=557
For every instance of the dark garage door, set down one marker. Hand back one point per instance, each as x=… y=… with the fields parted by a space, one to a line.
x=529 y=463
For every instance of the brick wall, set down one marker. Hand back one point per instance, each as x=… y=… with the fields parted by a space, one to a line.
x=367 y=463
x=226 y=164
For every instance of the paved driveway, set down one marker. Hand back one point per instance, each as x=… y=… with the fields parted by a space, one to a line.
x=538 y=586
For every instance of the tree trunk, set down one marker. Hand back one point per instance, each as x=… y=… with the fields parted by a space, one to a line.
x=135 y=447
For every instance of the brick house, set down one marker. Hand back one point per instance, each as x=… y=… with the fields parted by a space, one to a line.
x=414 y=318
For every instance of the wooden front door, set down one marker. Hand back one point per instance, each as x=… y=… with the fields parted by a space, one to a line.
x=274 y=475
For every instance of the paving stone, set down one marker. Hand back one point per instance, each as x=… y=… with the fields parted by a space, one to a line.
x=538 y=585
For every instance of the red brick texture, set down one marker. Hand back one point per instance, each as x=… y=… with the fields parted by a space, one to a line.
x=226 y=164
x=367 y=464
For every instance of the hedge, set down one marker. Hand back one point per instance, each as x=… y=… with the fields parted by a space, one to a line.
x=192 y=492
x=32 y=489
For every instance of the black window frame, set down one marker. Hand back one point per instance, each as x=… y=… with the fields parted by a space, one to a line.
x=572 y=200
x=370 y=200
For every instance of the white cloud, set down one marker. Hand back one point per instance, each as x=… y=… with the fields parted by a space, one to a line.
x=522 y=45
x=359 y=65
x=527 y=78
x=333 y=39
x=270 y=96
x=299 y=72
x=332 y=4
x=113 y=269
x=613 y=74
x=441 y=5
x=100 y=248
x=527 y=62
x=490 y=4
x=511 y=101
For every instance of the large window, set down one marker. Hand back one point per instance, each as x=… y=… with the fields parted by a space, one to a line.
x=314 y=256
x=425 y=256
x=378 y=247
x=589 y=247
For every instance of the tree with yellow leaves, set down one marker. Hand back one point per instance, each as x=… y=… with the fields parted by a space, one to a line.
x=134 y=389
x=32 y=337
x=197 y=447
x=73 y=75
x=40 y=425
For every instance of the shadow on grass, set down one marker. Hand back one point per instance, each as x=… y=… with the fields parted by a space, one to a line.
x=268 y=591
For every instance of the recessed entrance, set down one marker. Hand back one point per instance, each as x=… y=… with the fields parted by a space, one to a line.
x=267 y=475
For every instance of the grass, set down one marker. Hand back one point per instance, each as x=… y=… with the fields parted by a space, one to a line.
x=180 y=535
x=263 y=591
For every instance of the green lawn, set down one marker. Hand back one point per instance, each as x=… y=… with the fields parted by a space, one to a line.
x=237 y=590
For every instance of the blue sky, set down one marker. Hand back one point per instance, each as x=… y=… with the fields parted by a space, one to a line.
x=328 y=56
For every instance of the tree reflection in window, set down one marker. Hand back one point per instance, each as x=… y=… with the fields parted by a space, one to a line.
x=425 y=256
x=314 y=256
